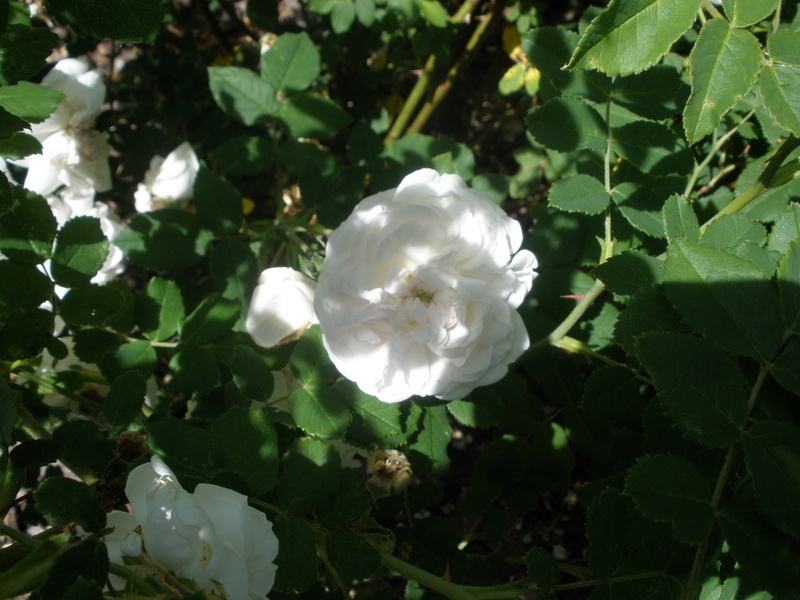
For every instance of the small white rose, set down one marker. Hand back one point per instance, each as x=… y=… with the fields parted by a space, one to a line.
x=168 y=180
x=419 y=287
x=210 y=536
x=281 y=308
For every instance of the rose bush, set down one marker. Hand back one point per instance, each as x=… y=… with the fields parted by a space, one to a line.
x=210 y=536
x=418 y=291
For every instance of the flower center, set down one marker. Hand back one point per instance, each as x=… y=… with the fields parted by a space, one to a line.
x=424 y=296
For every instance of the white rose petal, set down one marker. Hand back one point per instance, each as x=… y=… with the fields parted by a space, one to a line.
x=168 y=180
x=210 y=536
x=418 y=291
x=281 y=308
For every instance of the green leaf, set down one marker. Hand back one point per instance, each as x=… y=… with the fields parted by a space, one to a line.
x=670 y=488
x=297 y=560
x=657 y=93
x=342 y=16
x=607 y=523
x=567 y=124
x=701 y=388
x=786 y=229
x=36 y=453
x=542 y=568
x=125 y=398
x=80 y=250
x=27 y=228
x=234 y=270
x=762 y=551
x=309 y=475
x=160 y=309
x=242 y=94
x=630 y=272
x=352 y=556
x=431 y=441
x=376 y=421
x=653 y=148
x=724 y=64
x=10 y=124
x=724 y=297
x=788 y=286
x=779 y=82
x=245 y=441
x=680 y=222
x=743 y=13
x=640 y=207
x=23 y=51
x=194 y=370
x=213 y=318
x=612 y=391
x=63 y=501
x=646 y=29
x=772 y=455
x=25 y=335
x=162 y=240
x=313 y=116
x=87 y=450
x=138 y=355
x=186 y=449
x=219 y=204
x=30 y=101
x=729 y=231
x=513 y=79
x=318 y=407
x=8 y=415
x=786 y=368
x=91 y=305
x=121 y=20
x=434 y=13
x=22 y=288
x=548 y=49
x=245 y=155
x=19 y=146
x=579 y=193
x=251 y=374
x=291 y=64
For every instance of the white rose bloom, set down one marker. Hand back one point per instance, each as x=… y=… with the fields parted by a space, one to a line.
x=75 y=158
x=73 y=154
x=419 y=287
x=281 y=308
x=168 y=180
x=209 y=536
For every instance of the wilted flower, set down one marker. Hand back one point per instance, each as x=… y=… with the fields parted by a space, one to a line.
x=419 y=288
x=73 y=154
x=281 y=308
x=210 y=536
x=168 y=180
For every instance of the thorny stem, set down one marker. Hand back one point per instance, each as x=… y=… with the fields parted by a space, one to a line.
x=30 y=424
x=473 y=45
x=596 y=582
x=714 y=149
x=19 y=537
x=138 y=582
x=429 y=580
x=577 y=347
x=773 y=175
x=91 y=404
x=421 y=87
x=699 y=557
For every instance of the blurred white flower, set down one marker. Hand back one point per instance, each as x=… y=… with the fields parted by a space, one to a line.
x=419 y=287
x=73 y=154
x=75 y=158
x=210 y=536
x=281 y=308
x=168 y=180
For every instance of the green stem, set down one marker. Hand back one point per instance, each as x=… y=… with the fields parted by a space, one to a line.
x=138 y=582
x=420 y=89
x=715 y=147
x=572 y=318
x=91 y=404
x=29 y=423
x=699 y=558
x=712 y=10
x=776 y=20
x=18 y=536
x=270 y=507
x=762 y=184
x=429 y=580
x=596 y=582
x=473 y=45
x=578 y=347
